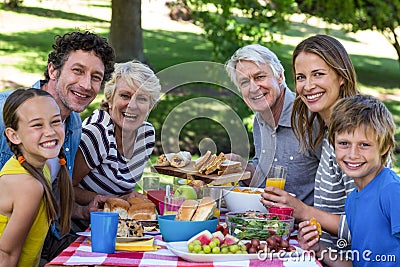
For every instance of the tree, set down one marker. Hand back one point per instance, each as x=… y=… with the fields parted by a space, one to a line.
x=356 y=15
x=126 y=30
x=230 y=24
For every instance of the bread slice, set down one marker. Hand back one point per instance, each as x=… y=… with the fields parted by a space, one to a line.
x=118 y=205
x=187 y=210
x=230 y=170
x=205 y=209
x=200 y=161
x=229 y=166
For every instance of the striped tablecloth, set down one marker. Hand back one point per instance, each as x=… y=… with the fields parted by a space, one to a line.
x=80 y=253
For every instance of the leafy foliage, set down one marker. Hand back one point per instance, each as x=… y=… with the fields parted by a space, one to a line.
x=232 y=24
x=356 y=15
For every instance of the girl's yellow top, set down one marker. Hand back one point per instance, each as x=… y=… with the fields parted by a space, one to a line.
x=30 y=255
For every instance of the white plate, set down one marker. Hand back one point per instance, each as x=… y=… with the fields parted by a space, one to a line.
x=120 y=239
x=180 y=249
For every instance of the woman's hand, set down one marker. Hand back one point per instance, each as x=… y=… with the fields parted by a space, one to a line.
x=273 y=196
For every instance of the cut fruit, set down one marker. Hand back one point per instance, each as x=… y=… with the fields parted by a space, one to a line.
x=219 y=235
x=230 y=240
x=204 y=237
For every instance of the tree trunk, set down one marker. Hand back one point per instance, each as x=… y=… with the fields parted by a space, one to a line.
x=126 y=30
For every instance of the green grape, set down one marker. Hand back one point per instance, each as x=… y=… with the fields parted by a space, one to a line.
x=207 y=249
x=197 y=248
x=233 y=248
x=201 y=252
x=224 y=250
x=217 y=241
x=196 y=242
x=216 y=250
x=190 y=247
x=243 y=248
x=212 y=244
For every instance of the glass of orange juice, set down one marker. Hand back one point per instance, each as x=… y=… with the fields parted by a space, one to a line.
x=276 y=177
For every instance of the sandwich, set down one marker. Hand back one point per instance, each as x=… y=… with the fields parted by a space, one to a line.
x=180 y=159
x=205 y=209
x=193 y=210
x=208 y=163
x=187 y=210
x=162 y=160
x=200 y=161
x=214 y=165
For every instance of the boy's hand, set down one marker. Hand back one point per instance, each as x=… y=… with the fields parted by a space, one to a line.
x=308 y=236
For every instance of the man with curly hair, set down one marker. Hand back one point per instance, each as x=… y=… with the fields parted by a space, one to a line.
x=77 y=69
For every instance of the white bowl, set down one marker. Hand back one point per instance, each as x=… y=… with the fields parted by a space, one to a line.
x=242 y=202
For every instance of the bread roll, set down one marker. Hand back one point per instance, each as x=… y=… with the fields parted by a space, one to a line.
x=142 y=211
x=118 y=205
x=138 y=200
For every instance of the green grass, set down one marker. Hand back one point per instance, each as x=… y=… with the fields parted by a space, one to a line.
x=178 y=111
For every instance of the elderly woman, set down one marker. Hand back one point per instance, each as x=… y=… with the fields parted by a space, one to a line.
x=116 y=140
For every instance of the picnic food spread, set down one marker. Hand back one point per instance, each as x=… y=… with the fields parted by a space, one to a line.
x=130 y=212
x=207 y=164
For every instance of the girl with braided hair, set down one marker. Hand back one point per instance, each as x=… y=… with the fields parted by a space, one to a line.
x=35 y=133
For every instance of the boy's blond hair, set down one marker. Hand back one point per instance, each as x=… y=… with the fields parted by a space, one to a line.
x=368 y=112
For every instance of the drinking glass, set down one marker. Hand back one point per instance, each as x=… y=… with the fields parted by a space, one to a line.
x=276 y=177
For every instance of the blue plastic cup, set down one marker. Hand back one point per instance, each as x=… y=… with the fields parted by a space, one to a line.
x=104 y=226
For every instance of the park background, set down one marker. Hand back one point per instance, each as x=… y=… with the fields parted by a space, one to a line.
x=27 y=32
